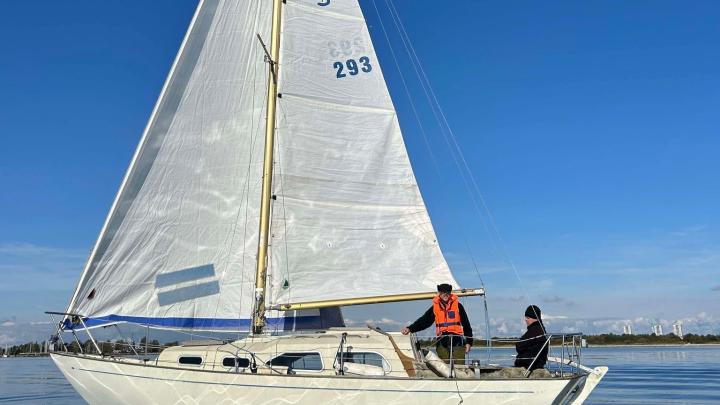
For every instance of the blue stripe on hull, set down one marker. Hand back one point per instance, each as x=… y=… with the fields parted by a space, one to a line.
x=285 y=323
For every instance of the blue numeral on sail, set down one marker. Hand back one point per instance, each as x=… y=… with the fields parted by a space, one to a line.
x=339 y=67
x=366 y=64
x=352 y=67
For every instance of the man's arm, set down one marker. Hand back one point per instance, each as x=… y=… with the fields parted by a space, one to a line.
x=465 y=321
x=424 y=322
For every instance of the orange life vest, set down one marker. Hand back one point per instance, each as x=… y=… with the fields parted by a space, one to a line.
x=447 y=316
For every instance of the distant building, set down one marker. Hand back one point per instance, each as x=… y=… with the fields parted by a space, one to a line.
x=627 y=329
x=677 y=329
x=657 y=330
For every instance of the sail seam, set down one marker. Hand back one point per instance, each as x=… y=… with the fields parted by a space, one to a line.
x=386 y=207
x=338 y=104
x=326 y=12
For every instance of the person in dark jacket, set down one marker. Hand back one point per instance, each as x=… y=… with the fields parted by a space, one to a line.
x=532 y=342
x=452 y=325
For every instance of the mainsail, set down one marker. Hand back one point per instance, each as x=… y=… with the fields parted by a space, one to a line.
x=178 y=248
x=349 y=220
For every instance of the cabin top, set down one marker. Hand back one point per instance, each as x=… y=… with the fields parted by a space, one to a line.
x=306 y=353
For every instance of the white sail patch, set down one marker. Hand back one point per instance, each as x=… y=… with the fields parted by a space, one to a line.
x=186 y=284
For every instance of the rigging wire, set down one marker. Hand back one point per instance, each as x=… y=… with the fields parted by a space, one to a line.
x=281 y=177
x=456 y=152
x=485 y=307
x=442 y=131
x=253 y=144
x=462 y=173
x=463 y=177
x=407 y=92
x=279 y=174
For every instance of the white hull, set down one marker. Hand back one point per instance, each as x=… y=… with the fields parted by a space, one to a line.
x=105 y=381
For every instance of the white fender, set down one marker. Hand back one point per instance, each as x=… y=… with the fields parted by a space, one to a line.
x=363 y=369
x=437 y=365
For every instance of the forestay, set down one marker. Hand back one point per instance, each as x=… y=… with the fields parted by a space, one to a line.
x=178 y=248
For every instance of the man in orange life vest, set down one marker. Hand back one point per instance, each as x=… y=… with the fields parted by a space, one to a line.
x=451 y=324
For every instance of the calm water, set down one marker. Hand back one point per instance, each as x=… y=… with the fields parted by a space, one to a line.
x=638 y=375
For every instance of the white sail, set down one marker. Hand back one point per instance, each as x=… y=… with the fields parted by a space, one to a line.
x=179 y=246
x=349 y=220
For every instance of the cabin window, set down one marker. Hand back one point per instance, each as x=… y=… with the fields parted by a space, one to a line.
x=190 y=360
x=369 y=358
x=298 y=361
x=238 y=362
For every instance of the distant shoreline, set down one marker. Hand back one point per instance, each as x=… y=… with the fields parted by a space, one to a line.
x=652 y=345
x=479 y=348
x=590 y=346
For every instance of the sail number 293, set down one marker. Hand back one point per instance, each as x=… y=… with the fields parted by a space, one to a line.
x=353 y=67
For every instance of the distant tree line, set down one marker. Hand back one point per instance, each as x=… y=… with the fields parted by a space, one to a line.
x=25 y=348
x=117 y=347
x=613 y=339
x=606 y=339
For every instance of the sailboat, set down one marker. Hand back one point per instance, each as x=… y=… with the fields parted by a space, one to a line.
x=271 y=187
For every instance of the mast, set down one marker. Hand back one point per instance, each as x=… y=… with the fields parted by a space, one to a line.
x=261 y=270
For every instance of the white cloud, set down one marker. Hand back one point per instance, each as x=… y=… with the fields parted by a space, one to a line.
x=30 y=267
x=547 y=317
x=556 y=299
x=691 y=230
x=544 y=284
x=36 y=278
x=382 y=321
x=15 y=332
x=570 y=329
x=32 y=250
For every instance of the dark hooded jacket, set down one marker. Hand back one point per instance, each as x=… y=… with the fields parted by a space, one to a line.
x=530 y=344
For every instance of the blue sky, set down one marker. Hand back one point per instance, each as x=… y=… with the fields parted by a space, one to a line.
x=591 y=128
